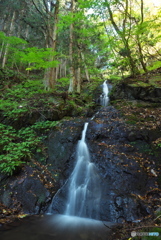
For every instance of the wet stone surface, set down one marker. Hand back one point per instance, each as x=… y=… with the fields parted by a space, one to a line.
x=125 y=182
x=125 y=174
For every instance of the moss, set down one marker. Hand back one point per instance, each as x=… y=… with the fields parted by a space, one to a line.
x=155 y=105
x=155 y=81
x=139 y=84
x=41 y=198
x=115 y=79
x=142 y=147
x=132 y=119
x=132 y=122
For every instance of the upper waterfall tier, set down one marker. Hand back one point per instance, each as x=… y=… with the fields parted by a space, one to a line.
x=104 y=96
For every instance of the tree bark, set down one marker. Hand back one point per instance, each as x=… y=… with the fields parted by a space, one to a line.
x=79 y=72
x=141 y=56
x=122 y=34
x=85 y=67
x=71 y=69
x=1 y=51
x=138 y=39
x=50 y=74
x=4 y=60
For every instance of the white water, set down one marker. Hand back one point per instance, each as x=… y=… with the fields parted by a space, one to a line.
x=104 y=96
x=84 y=188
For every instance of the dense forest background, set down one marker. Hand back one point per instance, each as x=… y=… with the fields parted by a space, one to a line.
x=72 y=41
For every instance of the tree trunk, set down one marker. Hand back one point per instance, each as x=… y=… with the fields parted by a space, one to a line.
x=138 y=39
x=71 y=69
x=85 y=67
x=1 y=51
x=122 y=34
x=65 y=68
x=79 y=72
x=141 y=57
x=4 y=60
x=133 y=68
x=50 y=74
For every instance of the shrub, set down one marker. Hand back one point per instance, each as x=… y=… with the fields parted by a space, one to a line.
x=18 y=147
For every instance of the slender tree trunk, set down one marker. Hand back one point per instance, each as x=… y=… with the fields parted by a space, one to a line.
x=4 y=60
x=50 y=74
x=72 y=72
x=138 y=39
x=57 y=72
x=78 y=80
x=122 y=34
x=2 y=47
x=79 y=72
x=65 y=68
x=141 y=56
x=133 y=67
x=142 y=11
x=52 y=79
x=85 y=67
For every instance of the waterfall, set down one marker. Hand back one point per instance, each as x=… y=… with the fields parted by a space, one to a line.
x=104 y=96
x=84 y=189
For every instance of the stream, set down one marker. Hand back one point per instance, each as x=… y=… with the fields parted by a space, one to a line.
x=100 y=191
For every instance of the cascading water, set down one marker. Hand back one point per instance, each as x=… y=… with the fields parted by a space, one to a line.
x=84 y=188
x=104 y=96
x=80 y=219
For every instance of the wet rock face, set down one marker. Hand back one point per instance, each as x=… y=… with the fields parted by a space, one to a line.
x=122 y=175
x=127 y=91
x=62 y=144
x=29 y=190
x=25 y=192
x=124 y=180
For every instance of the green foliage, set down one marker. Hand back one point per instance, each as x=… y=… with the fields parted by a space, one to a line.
x=18 y=147
x=46 y=125
x=157 y=143
x=39 y=58
x=72 y=103
x=14 y=46
x=155 y=65
x=115 y=78
x=63 y=82
x=15 y=101
x=31 y=57
x=92 y=86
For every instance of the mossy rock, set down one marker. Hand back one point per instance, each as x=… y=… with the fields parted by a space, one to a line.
x=140 y=84
x=155 y=81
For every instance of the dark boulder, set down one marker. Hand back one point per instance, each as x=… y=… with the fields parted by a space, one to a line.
x=136 y=92
x=25 y=192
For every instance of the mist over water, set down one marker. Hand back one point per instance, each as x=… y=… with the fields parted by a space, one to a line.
x=57 y=227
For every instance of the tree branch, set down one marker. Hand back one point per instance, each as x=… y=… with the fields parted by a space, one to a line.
x=142 y=11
